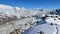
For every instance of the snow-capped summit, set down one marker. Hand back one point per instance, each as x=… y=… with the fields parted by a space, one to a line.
x=6 y=9
x=17 y=9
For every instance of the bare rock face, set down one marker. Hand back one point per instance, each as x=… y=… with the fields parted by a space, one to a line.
x=4 y=19
x=16 y=26
x=17 y=31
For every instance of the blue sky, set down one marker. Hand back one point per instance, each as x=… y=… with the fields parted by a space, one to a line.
x=30 y=4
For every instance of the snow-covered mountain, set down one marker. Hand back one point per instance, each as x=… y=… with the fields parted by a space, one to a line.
x=18 y=13
x=18 y=20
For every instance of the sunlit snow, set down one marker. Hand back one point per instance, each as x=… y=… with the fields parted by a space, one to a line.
x=19 y=20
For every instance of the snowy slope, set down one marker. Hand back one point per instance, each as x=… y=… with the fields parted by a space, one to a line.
x=45 y=28
x=55 y=19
